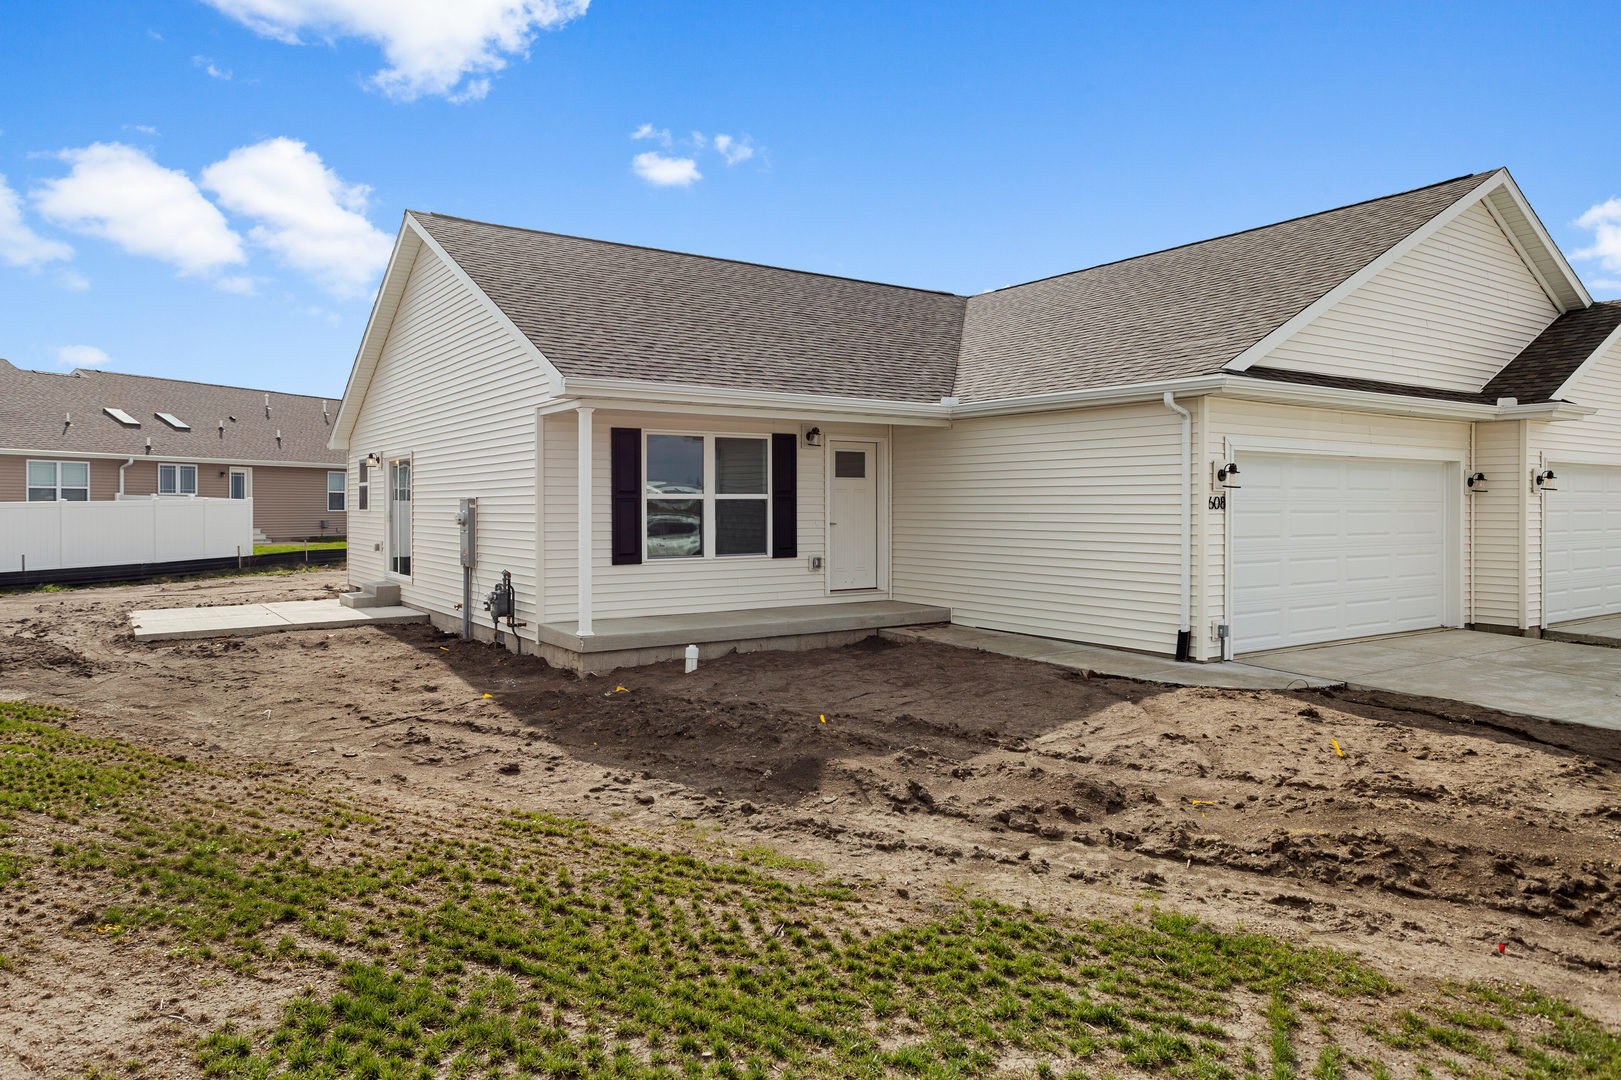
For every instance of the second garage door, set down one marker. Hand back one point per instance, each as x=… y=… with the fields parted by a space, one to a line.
x=1327 y=548
x=1582 y=527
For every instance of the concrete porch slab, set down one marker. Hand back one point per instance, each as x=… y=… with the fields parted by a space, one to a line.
x=660 y=631
x=246 y=620
x=1550 y=680
x=1097 y=660
x=1605 y=630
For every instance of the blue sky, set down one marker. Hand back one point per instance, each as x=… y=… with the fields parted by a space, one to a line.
x=205 y=190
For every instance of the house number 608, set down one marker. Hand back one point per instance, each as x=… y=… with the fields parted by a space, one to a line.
x=1218 y=502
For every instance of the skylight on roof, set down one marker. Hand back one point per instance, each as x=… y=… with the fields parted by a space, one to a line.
x=174 y=421
x=121 y=416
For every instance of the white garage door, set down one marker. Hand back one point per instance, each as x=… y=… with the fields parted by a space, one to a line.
x=1582 y=531
x=1327 y=548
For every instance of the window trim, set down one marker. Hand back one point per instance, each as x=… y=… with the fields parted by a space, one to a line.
x=342 y=492
x=177 y=493
x=362 y=486
x=57 y=487
x=709 y=497
x=247 y=481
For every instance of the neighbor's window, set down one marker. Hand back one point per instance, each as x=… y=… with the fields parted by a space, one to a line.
x=58 y=481
x=707 y=494
x=336 y=490
x=177 y=479
x=362 y=487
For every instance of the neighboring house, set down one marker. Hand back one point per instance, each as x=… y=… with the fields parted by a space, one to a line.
x=92 y=434
x=1053 y=458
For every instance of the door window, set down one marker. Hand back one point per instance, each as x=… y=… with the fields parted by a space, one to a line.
x=399 y=518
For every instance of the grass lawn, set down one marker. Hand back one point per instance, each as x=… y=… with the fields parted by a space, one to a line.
x=313 y=545
x=500 y=943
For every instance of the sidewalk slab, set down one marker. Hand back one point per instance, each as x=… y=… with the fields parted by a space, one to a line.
x=1097 y=660
x=1605 y=630
x=247 y=620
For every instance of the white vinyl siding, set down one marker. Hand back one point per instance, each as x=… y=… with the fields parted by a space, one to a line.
x=1500 y=572
x=1450 y=313
x=1062 y=525
x=678 y=586
x=455 y=393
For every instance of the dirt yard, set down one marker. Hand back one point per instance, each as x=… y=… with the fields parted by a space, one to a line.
x=1429 y=838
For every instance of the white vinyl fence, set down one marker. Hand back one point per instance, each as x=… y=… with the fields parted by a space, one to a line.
x=54 y=535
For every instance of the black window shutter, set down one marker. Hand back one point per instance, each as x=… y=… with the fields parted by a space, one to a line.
x=625 y=450
x=784 y=496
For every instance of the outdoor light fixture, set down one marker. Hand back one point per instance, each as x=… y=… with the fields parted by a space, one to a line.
x=1227 y=476
x=1477 y=484
x=813 y=436
x=1543 y=480
x=375 y=460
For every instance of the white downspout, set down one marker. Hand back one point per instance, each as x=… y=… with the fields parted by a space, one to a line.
x=1185 y=628
x=584 y=523
x=121 y=469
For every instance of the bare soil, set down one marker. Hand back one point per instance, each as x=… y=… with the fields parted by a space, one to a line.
x=1421 y=834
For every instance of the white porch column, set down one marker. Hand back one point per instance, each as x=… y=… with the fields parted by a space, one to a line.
x=584 y=519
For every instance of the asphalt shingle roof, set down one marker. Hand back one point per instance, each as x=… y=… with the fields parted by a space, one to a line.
x=1544 y=365
x=595 y=308
x=35 y=404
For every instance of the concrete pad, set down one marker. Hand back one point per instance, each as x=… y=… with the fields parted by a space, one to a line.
x=247 y=620
x=1097 y=660
x=658 y=631
x=1550 y=680
x=1605 y=630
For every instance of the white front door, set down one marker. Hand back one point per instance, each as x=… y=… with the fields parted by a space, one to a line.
x=241 y=484
x=1583 y=540
x=399 y=517
x=853 y=516
x=1327 y=548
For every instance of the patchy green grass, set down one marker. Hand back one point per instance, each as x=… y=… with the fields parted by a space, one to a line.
x=313 y=545
x=522 y=944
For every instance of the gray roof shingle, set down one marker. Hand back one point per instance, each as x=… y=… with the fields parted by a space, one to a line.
x=1544 y=365
x=595 y=308
x=34 y=404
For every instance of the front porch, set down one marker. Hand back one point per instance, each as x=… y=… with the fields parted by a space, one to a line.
x=651 y=639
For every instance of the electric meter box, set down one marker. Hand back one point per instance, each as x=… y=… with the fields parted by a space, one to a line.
x=467 y=521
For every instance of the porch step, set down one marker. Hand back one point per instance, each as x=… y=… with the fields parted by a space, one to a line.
x=259 y=536
x=373 y=594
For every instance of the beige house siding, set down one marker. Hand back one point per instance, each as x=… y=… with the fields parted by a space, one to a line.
x=455 y=393
x=681 y=586
x=1063 y=524
x=14 y=475
x=1450 y=313
x=290 y=503
x=1281 y=428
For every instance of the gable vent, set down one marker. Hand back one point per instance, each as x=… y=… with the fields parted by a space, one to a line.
x=121 y=416
x=173 y=421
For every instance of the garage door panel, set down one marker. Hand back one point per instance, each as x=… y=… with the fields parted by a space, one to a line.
x=1582 y=543
x=1327 y=548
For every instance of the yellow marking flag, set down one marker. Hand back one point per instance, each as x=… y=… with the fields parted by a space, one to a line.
x=1337 y=749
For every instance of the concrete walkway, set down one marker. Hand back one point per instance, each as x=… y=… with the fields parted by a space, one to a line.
x=1605 y=630
x=246 y=620
x=1096 y=660
x=1551 y=680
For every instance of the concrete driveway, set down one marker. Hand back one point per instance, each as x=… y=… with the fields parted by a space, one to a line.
x=1553 y=680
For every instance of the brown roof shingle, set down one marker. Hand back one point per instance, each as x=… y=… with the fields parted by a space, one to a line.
x=34 y=405
x=1544 y=365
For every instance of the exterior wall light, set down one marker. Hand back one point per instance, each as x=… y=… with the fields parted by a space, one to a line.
x=1227 y=476
x=1543 y=480
x=374 y=460
x=813 y=436
x=1477 y=484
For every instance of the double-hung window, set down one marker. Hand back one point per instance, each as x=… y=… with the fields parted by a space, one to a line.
x=706 y=495
x=336 y=491
x=177 y=479
x=58 y=481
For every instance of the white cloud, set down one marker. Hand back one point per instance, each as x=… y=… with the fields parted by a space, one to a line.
x=307 y=215
x=20 y=245
x=144 y=129
x=78 y=356
x=240 y=284
x=120 y=194
x=662 y=171
x=734 y=150
x=433 y=47
x=1605 y=222
x=72 y=280
x=208 y=65
x=648 y=131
